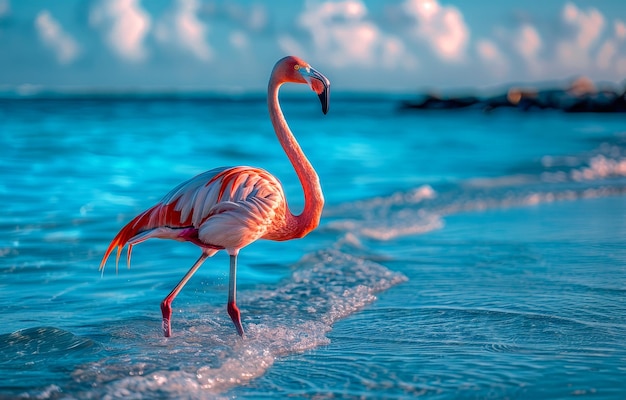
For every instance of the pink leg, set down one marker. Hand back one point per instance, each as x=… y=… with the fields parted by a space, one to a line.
x=166 y=304
x=232 y=308
x=235 y=315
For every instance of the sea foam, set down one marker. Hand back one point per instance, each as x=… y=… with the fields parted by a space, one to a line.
x=290 y=318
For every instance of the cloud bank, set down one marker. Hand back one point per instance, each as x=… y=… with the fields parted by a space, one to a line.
x=124 y=26
x=182 y=29
x=403 y=43
x=55 y=38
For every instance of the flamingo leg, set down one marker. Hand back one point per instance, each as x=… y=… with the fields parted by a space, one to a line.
x=233 y=311
x=166 y=304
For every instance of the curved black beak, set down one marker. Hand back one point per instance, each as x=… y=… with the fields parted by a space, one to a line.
x=320 y=84
x=324 y=98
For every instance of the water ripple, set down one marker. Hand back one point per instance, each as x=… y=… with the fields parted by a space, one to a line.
x=288 y=319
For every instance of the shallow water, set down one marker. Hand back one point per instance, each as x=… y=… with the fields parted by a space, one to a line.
x=459 y=255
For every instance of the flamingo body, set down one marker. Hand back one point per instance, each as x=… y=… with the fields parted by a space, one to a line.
x=228 y=208
x=224 y=208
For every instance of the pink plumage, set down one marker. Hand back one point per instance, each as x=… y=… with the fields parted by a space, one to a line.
x=230 y=207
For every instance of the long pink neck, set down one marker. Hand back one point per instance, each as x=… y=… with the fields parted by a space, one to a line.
x=297 y=225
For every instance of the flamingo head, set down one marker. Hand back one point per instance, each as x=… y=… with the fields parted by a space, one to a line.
x=294 y=69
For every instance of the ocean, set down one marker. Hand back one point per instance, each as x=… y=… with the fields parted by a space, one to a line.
x=461 y=254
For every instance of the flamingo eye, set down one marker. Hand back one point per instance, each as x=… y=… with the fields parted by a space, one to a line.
x=296 y=67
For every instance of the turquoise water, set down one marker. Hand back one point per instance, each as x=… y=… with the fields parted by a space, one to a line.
x=460 y=255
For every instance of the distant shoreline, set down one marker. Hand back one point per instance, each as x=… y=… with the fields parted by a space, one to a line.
x=581 y=95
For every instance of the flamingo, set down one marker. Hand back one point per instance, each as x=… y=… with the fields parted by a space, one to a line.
x=228 y=208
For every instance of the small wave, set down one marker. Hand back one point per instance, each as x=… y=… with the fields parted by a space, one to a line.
x=31 y=346
x=421 y=210
x=26 y=356
x=600 y=167
x=399 y=221
x=412 y=196
x=396 y=224
x=502 y=348
x=386 y=217
x=606 y=162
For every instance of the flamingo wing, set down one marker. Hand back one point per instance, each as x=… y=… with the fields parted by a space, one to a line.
x=224 y=208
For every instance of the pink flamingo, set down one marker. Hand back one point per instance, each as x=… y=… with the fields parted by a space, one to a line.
x=230 y=207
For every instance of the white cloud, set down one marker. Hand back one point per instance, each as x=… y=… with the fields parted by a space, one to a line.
x=332 y=24
x=578 y=53
x=492 y=57
x=589 y=25
x=609 y=56
x=125 y=25
x=442 y=27
x=580 y=45
x=252 y=16
x=184 y=30
x=52 y=34
x=528 y=43
x=342 y=32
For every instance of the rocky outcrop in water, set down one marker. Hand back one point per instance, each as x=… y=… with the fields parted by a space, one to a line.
x=580 y=96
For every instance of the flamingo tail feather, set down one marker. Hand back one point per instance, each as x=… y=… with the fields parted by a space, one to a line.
x=125 y=236
x=129 y=250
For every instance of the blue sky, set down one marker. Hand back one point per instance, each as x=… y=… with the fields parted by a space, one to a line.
x=361 y=45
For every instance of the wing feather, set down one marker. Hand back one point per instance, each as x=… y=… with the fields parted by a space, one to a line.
x=224 y=206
